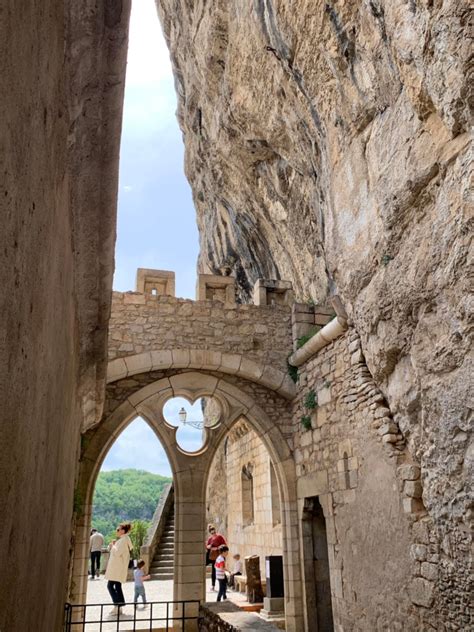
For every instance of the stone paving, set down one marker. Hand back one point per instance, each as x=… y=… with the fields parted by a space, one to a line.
x=157 y=590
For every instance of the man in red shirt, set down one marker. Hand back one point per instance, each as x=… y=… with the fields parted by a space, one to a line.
x=214 y=541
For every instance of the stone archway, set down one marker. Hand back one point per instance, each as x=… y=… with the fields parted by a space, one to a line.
x=190 y=473
x=198 y=359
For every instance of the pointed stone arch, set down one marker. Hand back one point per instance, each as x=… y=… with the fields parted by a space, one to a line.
x=228 y=363
x=190 y=474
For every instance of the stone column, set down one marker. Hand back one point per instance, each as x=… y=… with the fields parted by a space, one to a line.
x=190 y=529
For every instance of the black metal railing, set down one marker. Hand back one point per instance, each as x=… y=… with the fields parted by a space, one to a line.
x=157 y=615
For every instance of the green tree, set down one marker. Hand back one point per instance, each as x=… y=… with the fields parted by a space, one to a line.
x=137 y=535
x=130 y=495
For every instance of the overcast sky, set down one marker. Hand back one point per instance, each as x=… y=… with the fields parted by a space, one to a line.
x=156 y=217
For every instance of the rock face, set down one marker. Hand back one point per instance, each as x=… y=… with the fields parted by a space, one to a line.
x=327 y=144
x=62 y=71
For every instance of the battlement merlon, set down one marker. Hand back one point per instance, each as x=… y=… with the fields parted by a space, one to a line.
x=156 y=282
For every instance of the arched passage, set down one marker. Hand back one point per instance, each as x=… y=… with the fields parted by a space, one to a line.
x=243 y=497
x=190 y=473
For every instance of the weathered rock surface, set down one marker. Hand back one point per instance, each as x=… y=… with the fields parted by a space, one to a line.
x=327 y=143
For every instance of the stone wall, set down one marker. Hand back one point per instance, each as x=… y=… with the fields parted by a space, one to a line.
x=263 y=537
x=210 y=621
x=350 y=452
x=144 y=322
x=62 y=68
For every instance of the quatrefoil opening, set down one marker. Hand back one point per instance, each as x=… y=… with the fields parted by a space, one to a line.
x=193 y=420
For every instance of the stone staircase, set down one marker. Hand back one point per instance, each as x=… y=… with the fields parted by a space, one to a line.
x=162 y=566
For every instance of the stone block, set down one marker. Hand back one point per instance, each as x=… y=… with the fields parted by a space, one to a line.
x=274 y=604
x=116 y=370
x=321 y=319
x=357 y=357
x=181 y=358
x=250 y=370
x=409 y=472
x=420 y=532
x=342 y=480
x=324 y=396
x=421 y=592
x=390 y=438
x=429 y=571
x=353 y=479
x=381 y=411
x=301 y=308
x=353 y=463
x=272 y=378
x=388 y=428
x=413 y=489
x=212 y=287
x=354 y=346
x=133 y=298
x=312 y=484
x=140 y=363
x=418 y=552
x=342 y=465
x=412 y=505
x=321 y=416
x=230 y=362
x=161 y=360
x=273 y=292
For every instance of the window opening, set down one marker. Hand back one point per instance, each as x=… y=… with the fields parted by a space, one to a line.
x=276 y=506
x=247 y=495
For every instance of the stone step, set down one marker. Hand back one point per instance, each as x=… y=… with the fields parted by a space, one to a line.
x=163 y=564
x=163 y=558
x=161 y=576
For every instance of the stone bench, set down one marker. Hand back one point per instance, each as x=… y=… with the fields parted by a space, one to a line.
x=240 y=583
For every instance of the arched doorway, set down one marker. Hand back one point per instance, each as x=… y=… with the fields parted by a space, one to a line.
x=134 y=485
x=244 y=501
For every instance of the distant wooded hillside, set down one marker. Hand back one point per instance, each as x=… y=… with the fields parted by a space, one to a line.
x=125 y=495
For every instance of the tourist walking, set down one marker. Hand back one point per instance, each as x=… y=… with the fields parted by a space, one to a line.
x=117 y=568
x=96 y=543
x=140 y=577
x=213 y=542
x=220 y=572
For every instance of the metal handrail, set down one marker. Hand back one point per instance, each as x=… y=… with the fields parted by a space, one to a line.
x=76 y=616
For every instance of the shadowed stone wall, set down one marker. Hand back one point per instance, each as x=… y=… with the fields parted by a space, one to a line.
x=62 y=70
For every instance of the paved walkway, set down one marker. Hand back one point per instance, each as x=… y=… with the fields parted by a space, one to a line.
x=157 y=590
